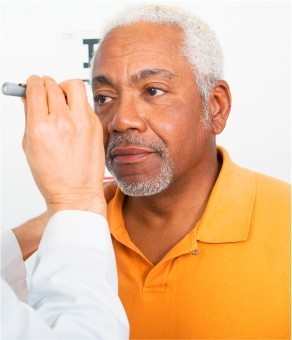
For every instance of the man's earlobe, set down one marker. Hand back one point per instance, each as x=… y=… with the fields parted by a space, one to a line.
x=220 y=105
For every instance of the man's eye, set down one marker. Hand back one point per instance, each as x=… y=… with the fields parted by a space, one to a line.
x=153 y=91
x=99 y=99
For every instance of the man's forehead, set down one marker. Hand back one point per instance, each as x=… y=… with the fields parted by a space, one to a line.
x=139 y=56
x=141 y=33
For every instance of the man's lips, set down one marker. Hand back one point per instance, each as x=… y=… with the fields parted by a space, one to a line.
x=130 y=154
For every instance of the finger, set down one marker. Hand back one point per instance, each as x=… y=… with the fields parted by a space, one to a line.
x=24 y=141
x=75 y=92
x=109 y=189
x=25 y=123
x=24 y=107
x=36 y=99
x=55 y=97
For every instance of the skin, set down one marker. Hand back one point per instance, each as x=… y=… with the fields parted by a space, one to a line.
x=160 y=107
x=63 y=144
x=62 y=134
x=29 y=234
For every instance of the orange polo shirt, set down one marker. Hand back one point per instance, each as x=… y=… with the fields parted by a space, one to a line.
x=229 y=278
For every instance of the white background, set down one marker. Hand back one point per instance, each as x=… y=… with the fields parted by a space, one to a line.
x=255 y=37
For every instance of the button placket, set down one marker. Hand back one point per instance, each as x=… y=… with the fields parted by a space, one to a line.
x=156 y=280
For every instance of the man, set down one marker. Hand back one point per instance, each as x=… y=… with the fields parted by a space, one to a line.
x=202 y=245
x=74 y=283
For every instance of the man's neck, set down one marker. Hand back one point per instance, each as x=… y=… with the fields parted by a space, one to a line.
x=171 y=214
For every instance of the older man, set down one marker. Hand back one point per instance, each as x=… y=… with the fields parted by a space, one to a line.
x=202 y=245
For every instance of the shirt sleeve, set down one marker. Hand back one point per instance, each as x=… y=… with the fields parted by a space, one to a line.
x=13 y=270
x=74 y=286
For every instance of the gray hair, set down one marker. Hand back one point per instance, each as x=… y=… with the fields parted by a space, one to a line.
x=200 y=45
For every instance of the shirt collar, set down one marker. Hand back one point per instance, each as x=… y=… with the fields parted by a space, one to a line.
x=228 y=213
x=229 y=210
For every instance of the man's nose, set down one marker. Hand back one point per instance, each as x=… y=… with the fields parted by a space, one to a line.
x=127 y=117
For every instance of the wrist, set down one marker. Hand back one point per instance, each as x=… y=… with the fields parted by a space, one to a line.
x=30 y=233
x=95 y=205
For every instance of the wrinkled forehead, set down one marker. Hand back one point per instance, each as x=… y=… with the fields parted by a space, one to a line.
x=142 y=39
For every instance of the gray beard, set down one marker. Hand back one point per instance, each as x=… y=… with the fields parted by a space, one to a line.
x=156 y=183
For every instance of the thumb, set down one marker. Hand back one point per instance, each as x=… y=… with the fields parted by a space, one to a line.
x=24 y=139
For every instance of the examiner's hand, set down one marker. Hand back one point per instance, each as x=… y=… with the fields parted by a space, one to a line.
x=63 y=144
x=30 y=233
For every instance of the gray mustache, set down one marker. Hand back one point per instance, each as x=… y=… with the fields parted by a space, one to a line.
x=137 y=141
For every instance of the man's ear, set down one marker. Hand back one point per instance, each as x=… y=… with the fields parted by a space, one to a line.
x=220 y=105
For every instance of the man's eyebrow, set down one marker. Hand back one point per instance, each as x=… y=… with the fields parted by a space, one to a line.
x=101 y=80
x=144 y=74
x=135 y=78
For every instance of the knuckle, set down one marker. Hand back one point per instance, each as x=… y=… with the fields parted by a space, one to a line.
x=33 y=78
x=57 y=129
x=54 y=89
x=40 y=129
x=82 y=125
x=37 y=90
x=76 y=84
x=65 y=127
x=24 y=143
x=37 y=131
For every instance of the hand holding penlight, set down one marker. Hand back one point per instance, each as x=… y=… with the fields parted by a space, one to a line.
x=19 y=90
x=13 y=89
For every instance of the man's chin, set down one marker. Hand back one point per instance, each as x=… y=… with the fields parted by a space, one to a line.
x=147 y=181
x=144 y=188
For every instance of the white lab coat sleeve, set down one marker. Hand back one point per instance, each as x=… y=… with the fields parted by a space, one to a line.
x=74 y=286
x=13 y=270
x=19 y=321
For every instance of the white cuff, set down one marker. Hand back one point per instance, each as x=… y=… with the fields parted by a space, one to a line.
x=64 y=229
x=13 y=270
